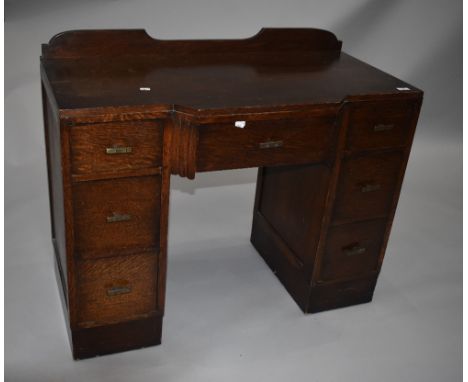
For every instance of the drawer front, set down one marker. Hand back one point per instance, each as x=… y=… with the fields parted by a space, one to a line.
x=352 y=250
x=265 y=143
x=116 y=289
x=367 y=185
x=116 y=216
x=112 y=147
x=376 y=125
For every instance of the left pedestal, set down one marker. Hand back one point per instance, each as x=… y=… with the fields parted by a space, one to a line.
x=108 y=204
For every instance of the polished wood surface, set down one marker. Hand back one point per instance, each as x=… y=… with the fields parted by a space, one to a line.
x=266 y=142
x=274 y=68
x=366 y=187
x=95 y=148
x=379 y=125
x=331 y=136
x=117 y=289
x=352 y=250
x=116 y=216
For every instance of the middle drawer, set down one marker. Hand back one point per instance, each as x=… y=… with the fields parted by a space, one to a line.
x=367 y=186
x=118 y=216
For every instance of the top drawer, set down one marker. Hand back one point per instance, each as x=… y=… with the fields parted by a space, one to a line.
x=377 y=125
x=112 y=147
x=239 y=144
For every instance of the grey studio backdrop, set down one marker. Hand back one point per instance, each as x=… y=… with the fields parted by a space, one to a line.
x=227 y=316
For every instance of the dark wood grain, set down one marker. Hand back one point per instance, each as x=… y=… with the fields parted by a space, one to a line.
x=102 y=43
x=292 y=202
x=113 y=338
x=116 y=289
x=184 y=143
x=352 y=250
x=341 y=294
x=55 y=183
x=276 y=68
x=344 y=252
x=225 y=146
x=331 y=135
x=366 y=186
x=136 y=199
x=90 y=142
x=273 y=249
x=379 y=125
x=164 y=214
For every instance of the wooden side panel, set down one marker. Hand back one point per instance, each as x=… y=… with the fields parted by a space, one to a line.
x=275 y=253
x=56 y=194
x=292 y=203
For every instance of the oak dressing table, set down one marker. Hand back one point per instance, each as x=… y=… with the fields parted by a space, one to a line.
x=330 y=134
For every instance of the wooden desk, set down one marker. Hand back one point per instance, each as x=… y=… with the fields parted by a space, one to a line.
x=123 y=111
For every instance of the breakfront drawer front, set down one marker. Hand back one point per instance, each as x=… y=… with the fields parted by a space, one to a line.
x=239 y=144
x=352 y=250
x=376 y=125
x=113 y=147
x=116 y=216
x=116 y=289
x=366 y=186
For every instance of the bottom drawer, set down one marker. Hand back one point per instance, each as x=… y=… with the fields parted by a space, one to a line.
x=353 y=250
x=116 y=289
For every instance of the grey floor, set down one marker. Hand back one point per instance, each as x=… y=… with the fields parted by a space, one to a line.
x=228 y=318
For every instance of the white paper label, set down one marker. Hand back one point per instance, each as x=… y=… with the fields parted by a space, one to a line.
x=239 y=124
x=145 y=89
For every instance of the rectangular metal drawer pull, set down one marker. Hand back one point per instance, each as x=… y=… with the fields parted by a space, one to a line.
x=271 y=144
x=114 y=291
x=383 y=127
x=115 y=217
x=354 y=250
x=118 y=150
x=370 y=187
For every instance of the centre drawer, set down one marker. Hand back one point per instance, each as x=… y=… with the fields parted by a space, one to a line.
x=117 y=146
x=239 y=144
x=116 y=289
x=118 y=216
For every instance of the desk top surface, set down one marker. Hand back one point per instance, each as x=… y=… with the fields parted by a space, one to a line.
x=275 y=68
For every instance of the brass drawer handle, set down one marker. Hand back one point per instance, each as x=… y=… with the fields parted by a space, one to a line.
x=118 y=150
x=383 y=127
x=115 y=217
x=271 y=144
x=370 y=187
x=354 y=250
x=115 y=291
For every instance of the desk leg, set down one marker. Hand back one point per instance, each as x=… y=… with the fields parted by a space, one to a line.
x=289 y=215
